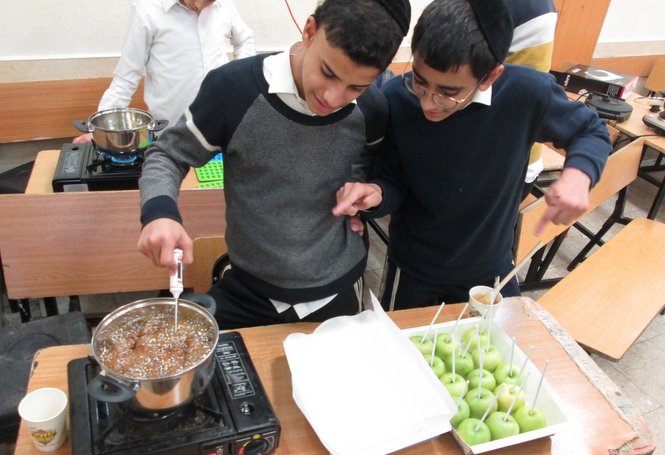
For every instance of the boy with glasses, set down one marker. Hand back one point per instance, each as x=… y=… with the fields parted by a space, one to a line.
x=294 y=127
x=452 y=168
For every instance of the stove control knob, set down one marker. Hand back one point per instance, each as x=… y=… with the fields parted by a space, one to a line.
x=256 y=447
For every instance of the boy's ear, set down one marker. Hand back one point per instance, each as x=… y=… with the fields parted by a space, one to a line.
x=493 y=75
x=310 y=29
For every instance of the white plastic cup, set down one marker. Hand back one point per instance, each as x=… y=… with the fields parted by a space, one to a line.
x=44 y=412
x=479 y=298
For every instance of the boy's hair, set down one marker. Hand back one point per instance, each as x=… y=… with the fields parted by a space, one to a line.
x=368 y=31
x=452 y=33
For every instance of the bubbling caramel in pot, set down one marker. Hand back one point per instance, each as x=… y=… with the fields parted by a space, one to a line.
x=142 y=344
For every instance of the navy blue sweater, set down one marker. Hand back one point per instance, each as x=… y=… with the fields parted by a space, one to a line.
x=454 y=187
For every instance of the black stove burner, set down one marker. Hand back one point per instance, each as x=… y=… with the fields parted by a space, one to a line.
x=232 y=416
x=109 y=162
x=82 y=167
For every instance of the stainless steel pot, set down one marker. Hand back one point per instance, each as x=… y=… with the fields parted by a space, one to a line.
x=121 y=131
x=152 y=394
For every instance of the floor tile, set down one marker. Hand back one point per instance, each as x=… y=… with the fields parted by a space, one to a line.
x=656 y=328
x=644 y=365
x=639 y=397
x=656 y=422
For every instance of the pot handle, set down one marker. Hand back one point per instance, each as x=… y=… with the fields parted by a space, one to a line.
x=82 y=125
x=160 y=125
x=104 y=388
x=204 y=300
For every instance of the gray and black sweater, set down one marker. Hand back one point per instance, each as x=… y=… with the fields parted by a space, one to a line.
x=281 y=172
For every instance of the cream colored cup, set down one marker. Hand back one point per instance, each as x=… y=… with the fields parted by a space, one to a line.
x=44 y=412
x=479 y=298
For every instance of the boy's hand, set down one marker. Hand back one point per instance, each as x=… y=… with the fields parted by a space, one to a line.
x=354 y=197
x=160 y=237
x=83 y=138
x=567 y=198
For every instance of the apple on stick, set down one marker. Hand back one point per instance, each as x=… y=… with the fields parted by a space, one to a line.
x=479 y=400
x=438 y=367
x=463 y=411
x=424 y=345
x=463 y=361
x=530 y=418
x=473 y=430
x=502 y=425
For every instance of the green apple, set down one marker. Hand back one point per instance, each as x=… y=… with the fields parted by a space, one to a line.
x=507 y=373
x=529 y=419
x=445 y=344
x=425 y=347
x=486 y=382
x=506 y=397
x=471 y=337
x=492 y=358
x=462 y=413
x=463 y=363
x=479 y=400
x=467 y=431
x=502 y=425
x=437 y=365
x=456 y=384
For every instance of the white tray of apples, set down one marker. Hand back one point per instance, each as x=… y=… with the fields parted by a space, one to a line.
x=548 y=417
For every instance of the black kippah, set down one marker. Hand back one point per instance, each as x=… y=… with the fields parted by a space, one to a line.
x=400 y=10
x=495 y=24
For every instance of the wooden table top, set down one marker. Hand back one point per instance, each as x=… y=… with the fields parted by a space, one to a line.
x=602 y=419
x=634 y=126
x=44 y=169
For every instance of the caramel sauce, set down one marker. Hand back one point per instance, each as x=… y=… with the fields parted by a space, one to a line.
x=142 y=344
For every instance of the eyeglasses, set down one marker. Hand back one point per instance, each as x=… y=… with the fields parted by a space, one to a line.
x=447 y=103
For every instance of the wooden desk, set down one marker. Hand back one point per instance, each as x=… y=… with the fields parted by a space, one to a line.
x=634 y=126
x=56 y=244
x=602 y=419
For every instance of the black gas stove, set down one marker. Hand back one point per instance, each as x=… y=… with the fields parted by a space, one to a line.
x=83 y=167
x=232 y=416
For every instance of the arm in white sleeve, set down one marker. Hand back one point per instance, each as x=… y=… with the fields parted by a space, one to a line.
x=129 y=70
x=242 y=37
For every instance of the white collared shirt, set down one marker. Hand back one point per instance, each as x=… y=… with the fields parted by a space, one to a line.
x=177 y=48
x=278 y=74
x=482 y=97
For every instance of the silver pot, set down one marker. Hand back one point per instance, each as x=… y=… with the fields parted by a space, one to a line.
x=121 y=131
x=152 y=393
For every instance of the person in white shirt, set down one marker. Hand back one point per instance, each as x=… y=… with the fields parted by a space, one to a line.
x=177 y=43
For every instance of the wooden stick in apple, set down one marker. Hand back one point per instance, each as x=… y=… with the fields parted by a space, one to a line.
x=512 y=350
x=466 y=347
x=493 y=295
x=489 y=407
x=519 y=392
x=455 y=347
x=452 y=332
x=431 y=360
x=526 y=360
x=433 y=321
x=542 y=376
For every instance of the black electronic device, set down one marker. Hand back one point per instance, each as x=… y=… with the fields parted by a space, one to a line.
x=609 y=107
x=82 y=167
x=656 y=122
x=231 y=417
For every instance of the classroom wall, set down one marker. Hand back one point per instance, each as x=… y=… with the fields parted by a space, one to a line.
x=63 y=39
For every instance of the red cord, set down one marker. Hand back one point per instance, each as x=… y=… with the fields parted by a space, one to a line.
x=292 y=17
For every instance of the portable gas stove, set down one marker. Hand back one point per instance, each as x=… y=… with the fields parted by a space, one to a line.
x=83 y=167
x=232 y=416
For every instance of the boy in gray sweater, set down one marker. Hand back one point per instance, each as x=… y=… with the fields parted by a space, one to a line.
x=294 y=127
